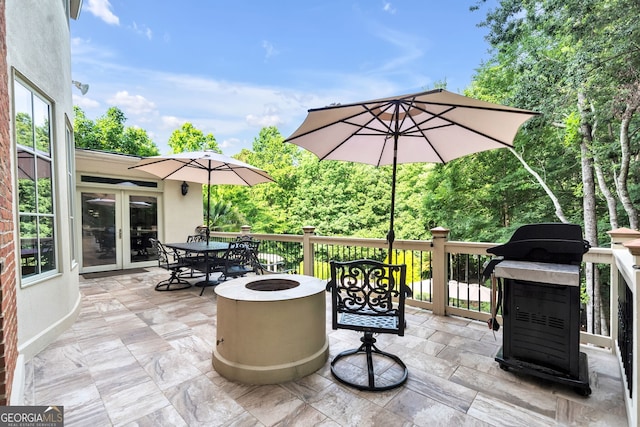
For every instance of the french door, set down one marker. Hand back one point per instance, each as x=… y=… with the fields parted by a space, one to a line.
x=116 y=229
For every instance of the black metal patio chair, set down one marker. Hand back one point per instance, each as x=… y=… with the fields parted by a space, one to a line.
x=193 y=258
x=173 y=262
x=368 y=296
x=237 y=261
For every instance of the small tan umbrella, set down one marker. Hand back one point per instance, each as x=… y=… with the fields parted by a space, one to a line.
x=435 y=126
x=204 y=167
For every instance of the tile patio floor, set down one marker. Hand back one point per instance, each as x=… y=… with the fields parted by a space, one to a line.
x=137 y=357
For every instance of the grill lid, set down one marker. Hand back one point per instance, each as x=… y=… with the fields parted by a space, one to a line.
x=547 y=242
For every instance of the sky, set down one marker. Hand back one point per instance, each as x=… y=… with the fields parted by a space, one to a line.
x=231 y=68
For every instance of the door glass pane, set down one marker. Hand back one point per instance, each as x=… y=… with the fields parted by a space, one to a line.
x=98 y=229
x=143 y=220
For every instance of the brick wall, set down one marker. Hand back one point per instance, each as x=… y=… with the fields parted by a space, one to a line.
x=8 y=315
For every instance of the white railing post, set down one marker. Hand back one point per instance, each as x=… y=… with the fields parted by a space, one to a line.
x=307 y=250
x=245 y=230
x=440 y=236
x=634 y=248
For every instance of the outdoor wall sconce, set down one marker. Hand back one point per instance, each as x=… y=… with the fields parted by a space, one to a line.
x=185 y=188
x=83 y=88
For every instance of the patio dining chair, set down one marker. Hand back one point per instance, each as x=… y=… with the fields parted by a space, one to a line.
x=237 y=261
x=173 y=262
x=194 y=259
x=368 y=296
x=263 y=263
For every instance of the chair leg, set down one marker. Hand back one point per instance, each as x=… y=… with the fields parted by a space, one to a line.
x=166 y=285
x=368 y=349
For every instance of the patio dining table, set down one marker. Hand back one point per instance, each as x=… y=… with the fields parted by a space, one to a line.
x=211 y=251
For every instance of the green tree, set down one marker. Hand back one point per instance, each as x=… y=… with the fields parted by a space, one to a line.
x=109 y=133
x=86 y=134
x=224 y=217
x=577 y=62
x=189 y=138
x=267 y=205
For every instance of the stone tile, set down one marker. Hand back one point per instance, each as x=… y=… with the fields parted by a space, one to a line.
x=92 y=413
x=497 y=412
x=58 y=362
x=271 y=404
x=193 y=350
x=73 y=391
x=417 y=360
x=526 y=396
x=307 y=387
x=167 y=416
x=128 y=375
x=168 y=369
x=586 y=414
x=243 y=420
x=421 y=411
x=441 y=390
x=345 y=407
x=303 y=415
x=127 y=405
x=202 y=403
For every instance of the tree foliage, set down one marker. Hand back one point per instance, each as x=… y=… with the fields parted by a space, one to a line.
x=109 y=133
x=189 y=138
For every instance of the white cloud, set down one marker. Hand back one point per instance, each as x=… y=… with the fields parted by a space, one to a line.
x=264 y=120
x=142 y=30
x=269 y=49
x=102 y=9
x=388 y=8
x=229 y=143
x=133 y=104
x=84 y=102
x=171 y=122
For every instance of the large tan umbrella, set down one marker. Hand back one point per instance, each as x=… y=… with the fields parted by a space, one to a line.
x=435 y=126
x=204 y=167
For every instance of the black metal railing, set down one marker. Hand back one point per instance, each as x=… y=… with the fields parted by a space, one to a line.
x=467 y=289
x=462 y=291
x=625 y=330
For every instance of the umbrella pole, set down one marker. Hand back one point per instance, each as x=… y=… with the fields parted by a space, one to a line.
x=391 y=236
x=208 y=202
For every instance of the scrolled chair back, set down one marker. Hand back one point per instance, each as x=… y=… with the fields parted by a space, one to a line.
x=368 y=295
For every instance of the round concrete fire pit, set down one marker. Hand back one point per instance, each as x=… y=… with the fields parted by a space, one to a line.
x=270 y=329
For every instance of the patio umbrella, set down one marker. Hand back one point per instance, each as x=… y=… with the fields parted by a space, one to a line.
x=435 y=126
x=204 y=167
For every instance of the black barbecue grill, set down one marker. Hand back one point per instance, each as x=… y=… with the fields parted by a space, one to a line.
x=540 y=271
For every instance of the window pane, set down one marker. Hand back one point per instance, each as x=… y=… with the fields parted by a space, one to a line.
x=23 y=115
x=41 y=124
x=45 y=189
x=47 y=253
x=98 y=225
x=28 y=245
x=26 y=181
x=143 y=217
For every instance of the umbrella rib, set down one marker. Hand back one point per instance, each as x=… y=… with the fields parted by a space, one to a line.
x=356 y=132
x=417 y=126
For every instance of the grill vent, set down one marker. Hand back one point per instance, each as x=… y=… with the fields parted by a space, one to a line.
x=539 y=319
x=556 y=322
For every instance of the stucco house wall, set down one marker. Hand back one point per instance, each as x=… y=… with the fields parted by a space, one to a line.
x=38 y=51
